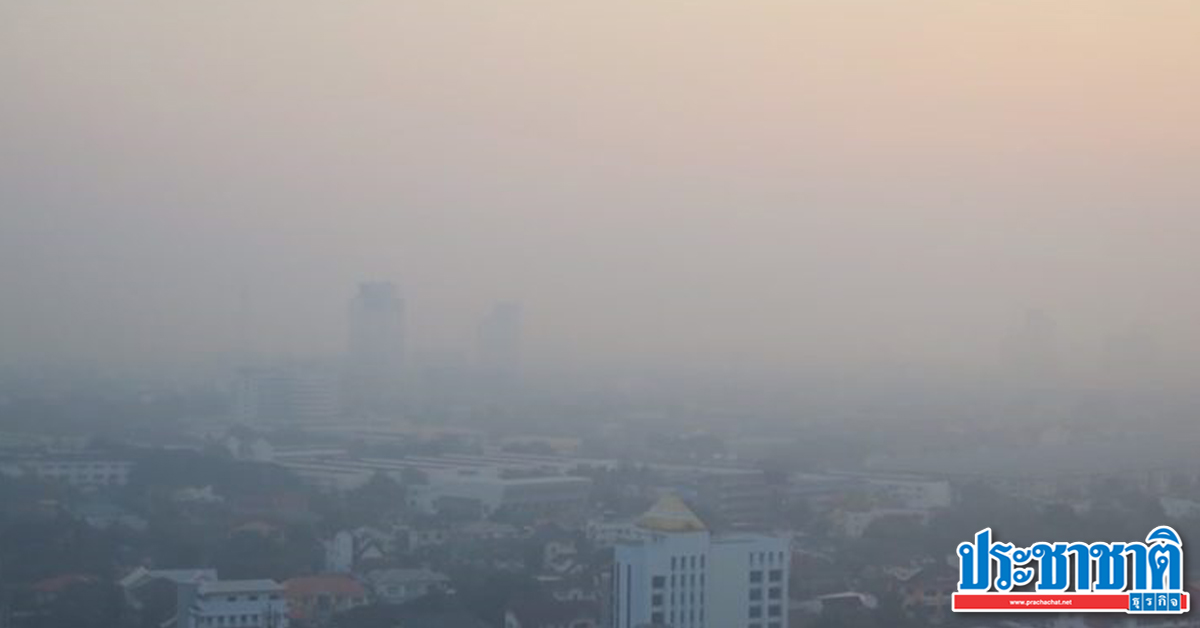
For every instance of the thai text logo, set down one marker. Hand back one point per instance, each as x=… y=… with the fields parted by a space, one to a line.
x=1136 y=577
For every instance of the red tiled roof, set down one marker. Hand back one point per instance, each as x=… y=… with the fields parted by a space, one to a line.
x=332 y=584
x=61 y=583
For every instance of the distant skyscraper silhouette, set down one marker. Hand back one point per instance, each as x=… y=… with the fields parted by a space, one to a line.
x=376 y=346
x=499 y=342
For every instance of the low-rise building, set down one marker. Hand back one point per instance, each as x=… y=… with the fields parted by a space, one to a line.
x=925 y=592
x=104 y=515
x=75 y=469
x=293 y=392
x=485 y=495
x=142 y=576
x=415 y=538
x=400 y=586
x=350 y=550
x=855 y=523
x=314 y=600
x=140 y=586
x=232 y=604
x=739 y=497
x=913 y=493
x=610 y=533
x=47 y=590
x=486 y=532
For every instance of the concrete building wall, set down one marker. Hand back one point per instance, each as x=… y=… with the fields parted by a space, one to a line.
x=692 y=580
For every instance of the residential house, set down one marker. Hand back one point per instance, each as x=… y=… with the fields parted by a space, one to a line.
x=314 y=600
x=350 y=550
x=416 y=538
x=399 y=586
x=141 y=578
x=46 y=591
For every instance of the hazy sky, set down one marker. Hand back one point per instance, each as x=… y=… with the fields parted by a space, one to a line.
x=766 y=182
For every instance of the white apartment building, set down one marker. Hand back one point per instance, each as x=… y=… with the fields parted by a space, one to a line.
x=233 y=604
x=683 y=577
x=79 y=470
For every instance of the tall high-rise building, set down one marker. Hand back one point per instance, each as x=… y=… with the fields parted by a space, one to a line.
x=682 y=576
x=499 y=342
x=375 y=360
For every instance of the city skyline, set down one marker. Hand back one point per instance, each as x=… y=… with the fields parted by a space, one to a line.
x=786 y=187
x=615 y=314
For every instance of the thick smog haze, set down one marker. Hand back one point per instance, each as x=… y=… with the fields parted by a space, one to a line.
x=774 y=185
x=610 y=314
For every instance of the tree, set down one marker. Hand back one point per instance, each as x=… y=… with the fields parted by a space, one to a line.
x=372 y=502
x=251 y=555
x=486 y=596
x=31 y=551
x=85 y=605
x=156 y=603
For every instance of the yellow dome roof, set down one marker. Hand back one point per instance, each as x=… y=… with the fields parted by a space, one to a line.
x=670 y=514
